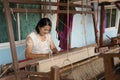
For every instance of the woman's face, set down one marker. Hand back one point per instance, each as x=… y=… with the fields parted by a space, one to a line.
x=45 y=30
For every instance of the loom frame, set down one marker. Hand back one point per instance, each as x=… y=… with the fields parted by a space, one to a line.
x=16 y=65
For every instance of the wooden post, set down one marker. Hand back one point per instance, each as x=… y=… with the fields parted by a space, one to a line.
x=95 y=24
x=108 y=64
x=102 y=24
x=54 y=74
x=119 y=28
x=11 y=37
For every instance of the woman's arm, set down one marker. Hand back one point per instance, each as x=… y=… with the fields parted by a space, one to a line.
x=28 y=51
x=53 y=47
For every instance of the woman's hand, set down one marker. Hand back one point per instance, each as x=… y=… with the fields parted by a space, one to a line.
x=45 y=55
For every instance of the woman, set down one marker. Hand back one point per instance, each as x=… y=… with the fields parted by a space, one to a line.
x=40 y=43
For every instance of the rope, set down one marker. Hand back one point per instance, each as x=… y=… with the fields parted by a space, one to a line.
x=67 y=28
x=44 y=8
x=13 y=14
x=26 y=13
x=57 y=11
x=5 y=70
x=50 y=7
x=18 y=24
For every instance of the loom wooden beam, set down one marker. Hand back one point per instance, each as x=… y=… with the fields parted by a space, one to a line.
x=11 y=37
x=21 y=10
x=10 y=77
x=32 y=61
x=110 y=55
x=116 y=3
x=33 y=72
x=54 y=74
x=109 y=66
x=105 y=3
x=47 y=3
x=23 y=74
x=119 y=27
x=102 y=18
x=34 y=75
x=117 y=76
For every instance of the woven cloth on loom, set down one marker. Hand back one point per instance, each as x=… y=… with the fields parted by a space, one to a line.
x=89 y=71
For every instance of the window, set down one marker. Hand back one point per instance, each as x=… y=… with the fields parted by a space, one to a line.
x=22 y=26
x=110 y=17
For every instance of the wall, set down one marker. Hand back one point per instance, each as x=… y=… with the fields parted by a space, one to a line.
x=5 y=54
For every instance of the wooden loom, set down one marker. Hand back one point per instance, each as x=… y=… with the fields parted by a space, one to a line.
x=18 y=74
x=22 y=74
x=91 y=68
x=111 y=72
x=79 y=66
x=79 y=69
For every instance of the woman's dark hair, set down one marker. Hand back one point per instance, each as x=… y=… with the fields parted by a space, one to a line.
x=43 y=22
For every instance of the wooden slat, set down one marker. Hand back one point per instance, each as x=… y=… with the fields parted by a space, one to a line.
x=102 y=24
x=21 y=10
x=33 y=61
x=40 y=74
x=47 y=3
x=110 y=55
x=54 y=75
x=10 y=77
x=117 y=76
x=108 y=64
x=23 y=74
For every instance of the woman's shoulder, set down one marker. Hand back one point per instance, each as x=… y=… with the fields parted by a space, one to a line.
x=32 y=34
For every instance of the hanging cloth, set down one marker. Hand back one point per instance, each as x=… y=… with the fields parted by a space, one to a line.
x=65 y=32
x=62 y=29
